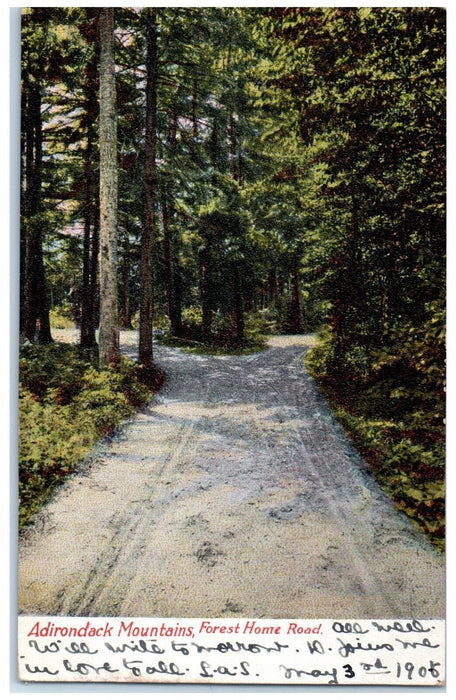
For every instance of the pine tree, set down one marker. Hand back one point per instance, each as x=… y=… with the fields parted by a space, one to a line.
x=150 y=193
x=34 y=305
x=109 y=334
x=91 y=186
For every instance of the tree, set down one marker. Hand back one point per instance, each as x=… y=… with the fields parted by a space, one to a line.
x=109 y=334
x=150 y=193
x=365 y=90
x=327 y=122
x=52 y=61
x=91 y=189
x=34 y=302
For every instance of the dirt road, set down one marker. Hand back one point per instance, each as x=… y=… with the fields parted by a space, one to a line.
x=233 y=494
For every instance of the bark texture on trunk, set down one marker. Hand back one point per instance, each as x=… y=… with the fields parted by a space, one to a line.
x=171 y=284
x=172 y=272
x=36 y=324
x=238 y=311
x=109 y=332
x=91 y=194
x=236 y=278
x=272 y=285
x=145 y=354
x=295 y=311
x=125 y=306
x=205 y=301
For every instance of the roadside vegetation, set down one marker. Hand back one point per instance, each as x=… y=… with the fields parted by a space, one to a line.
x=66 y=404
x=221 y=340
x=392 y=404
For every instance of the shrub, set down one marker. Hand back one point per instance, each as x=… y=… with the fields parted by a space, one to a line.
x=391 y=401
x=60 y=317
x=60 y=366
x=66 y=404
x=222 y=338
x=52 y=440
x=280 y=315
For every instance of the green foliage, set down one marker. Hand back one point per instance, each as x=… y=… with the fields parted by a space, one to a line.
x=57 y=367
x=280 y=319
x=392 y=404
x=221 y=341
x=191 y=316
x=51 y=443
x=60 y=317
x=66 y=404
x=258 y=326
x=408 y=459
x=368 y=88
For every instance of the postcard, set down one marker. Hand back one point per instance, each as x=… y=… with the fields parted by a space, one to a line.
x=232 y=345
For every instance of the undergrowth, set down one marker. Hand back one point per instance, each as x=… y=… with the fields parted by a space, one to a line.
x=66 y=404
x=392 y=404
x=221 y=340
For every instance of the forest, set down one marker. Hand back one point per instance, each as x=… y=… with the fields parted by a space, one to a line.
x=210 y=176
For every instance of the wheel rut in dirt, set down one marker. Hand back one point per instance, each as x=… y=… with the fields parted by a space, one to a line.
x=234 y=493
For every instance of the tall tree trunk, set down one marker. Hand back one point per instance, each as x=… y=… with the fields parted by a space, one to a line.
x=295 y=311
x=238 y=314
x=171 y=273
x=91 y=193
x=109 y=332
x=90 y=251
x=240 y=167
x=94 y=257
x=205 y=301
x=272 y=285
x=125 y=321
x=172 y=276
x=280 y=285
x=236 y=280
x=36 y=309
x=205 y=256
x=145 y=354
